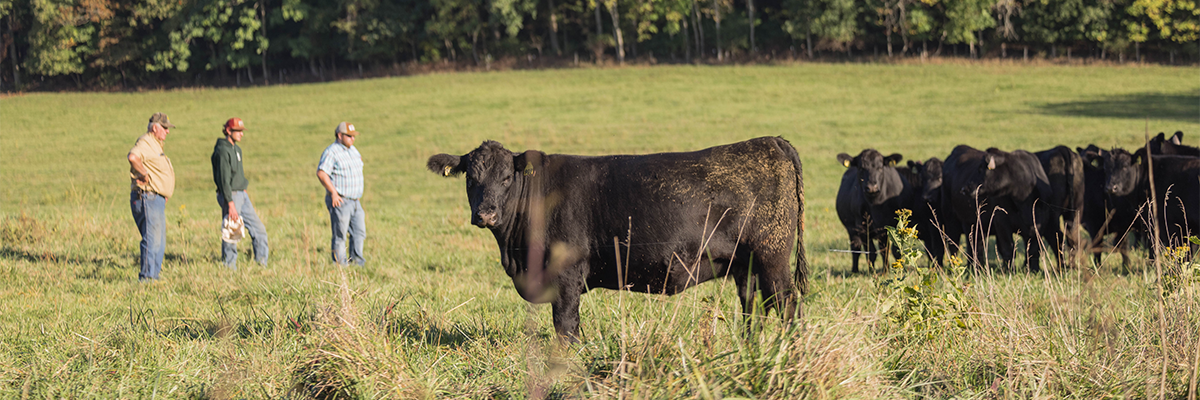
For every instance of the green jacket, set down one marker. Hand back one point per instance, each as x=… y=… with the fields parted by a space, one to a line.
x=227 y=168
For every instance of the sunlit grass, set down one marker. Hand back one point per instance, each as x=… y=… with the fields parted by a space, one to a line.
x=433 y=315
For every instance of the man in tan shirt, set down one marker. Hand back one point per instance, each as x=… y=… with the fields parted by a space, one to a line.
x=152 y=182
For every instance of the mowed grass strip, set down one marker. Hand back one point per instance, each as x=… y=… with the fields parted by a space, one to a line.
x=433 y=313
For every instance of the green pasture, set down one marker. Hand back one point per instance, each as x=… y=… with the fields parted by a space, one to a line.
x=433 y=314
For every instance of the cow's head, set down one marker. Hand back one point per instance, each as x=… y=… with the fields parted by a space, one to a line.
x=1122 y=170
x=875 y=172
x=490 y=171
x=993 y=181
x=931 y=176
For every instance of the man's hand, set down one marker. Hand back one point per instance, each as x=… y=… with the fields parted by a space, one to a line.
x=233 y=213
x=328 y=183
x=141 y=175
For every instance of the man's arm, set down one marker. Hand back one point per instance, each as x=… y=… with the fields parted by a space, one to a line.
x=328 y=183
x=224 y=181
x=140 y=172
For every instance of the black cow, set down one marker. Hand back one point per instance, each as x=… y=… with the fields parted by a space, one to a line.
x=872 y=190
x=926 y=179
x=1176 y=184
x=997 y=193
x=680 y=219
x=1064 y=169
x=1173 y=146
x=1103 y=213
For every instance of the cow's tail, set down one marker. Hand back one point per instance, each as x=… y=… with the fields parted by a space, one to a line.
x=801 y=274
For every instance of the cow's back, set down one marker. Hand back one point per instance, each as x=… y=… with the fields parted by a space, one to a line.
x=742 y=197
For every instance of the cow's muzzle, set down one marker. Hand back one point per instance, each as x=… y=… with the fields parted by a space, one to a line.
x=484 y=219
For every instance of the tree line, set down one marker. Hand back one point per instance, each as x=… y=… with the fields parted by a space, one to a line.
x=111 y=43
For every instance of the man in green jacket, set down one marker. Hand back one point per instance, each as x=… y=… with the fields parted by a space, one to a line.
x=231 y=194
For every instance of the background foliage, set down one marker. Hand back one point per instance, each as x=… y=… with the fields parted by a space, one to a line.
x=124 y=43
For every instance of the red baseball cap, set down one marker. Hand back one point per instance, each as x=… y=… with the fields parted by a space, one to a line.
x=235 y=124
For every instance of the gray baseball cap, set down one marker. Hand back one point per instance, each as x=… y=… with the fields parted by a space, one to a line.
x=161 y=119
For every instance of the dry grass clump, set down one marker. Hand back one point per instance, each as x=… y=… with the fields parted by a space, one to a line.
x=1066 y=338
x=348 y=357
x=822 y=358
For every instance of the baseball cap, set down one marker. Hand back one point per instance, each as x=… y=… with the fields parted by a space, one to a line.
x=235 y=124
x=346 y=128
x=161 y=119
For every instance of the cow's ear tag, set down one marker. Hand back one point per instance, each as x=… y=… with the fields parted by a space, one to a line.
x=846 y=163
x=528 y=170
x=1137 y=161
x=891 y=163
x=991 y=163
x=446 y=170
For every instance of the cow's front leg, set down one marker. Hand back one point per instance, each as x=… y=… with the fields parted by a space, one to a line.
x=566 y=311
x=1005 y=249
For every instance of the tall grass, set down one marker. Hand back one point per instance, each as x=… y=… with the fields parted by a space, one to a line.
x=432 y=315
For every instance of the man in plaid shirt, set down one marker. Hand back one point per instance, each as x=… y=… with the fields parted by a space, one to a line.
x=340 y=171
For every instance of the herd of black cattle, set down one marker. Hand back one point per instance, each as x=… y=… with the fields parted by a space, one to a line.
x=661 y=223
x=1046 y=197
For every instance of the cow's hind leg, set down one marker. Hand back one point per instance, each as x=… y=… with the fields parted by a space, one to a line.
x=746 y=285
x=776 y=284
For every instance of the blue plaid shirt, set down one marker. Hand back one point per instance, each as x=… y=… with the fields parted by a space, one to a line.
x=344 y=166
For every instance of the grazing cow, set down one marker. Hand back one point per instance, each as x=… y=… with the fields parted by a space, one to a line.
x=926 y=179
x=1176 y=184
x=1064 y=169
x=1173 y=146
x=997 y=193
x=872 y=190
x=656 y=223
x=1102 y=213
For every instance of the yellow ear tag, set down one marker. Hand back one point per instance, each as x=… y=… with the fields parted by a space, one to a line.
x=528 y=170
x=846 y=163
x=446 y=170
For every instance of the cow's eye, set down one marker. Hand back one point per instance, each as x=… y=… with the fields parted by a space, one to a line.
x=507 y=181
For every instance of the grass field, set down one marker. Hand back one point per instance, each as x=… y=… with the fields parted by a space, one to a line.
x=433 y=315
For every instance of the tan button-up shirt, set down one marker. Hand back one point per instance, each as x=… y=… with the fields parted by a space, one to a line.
x=161 y=179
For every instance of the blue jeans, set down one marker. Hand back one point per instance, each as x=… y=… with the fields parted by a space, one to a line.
x=254 y=226
x=347 y=219
x=149 y=212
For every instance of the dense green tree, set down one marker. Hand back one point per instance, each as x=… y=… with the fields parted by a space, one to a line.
x=455 y=22
x=834 y=23
x=114 y=42
x=965 y=21
x=1175 y=20
x=1066 y=21
x=62 y=37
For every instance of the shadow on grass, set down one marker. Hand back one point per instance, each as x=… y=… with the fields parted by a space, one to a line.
x=50 y=257
x=431 y=333
x=1183 y=106
x=100 y=268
